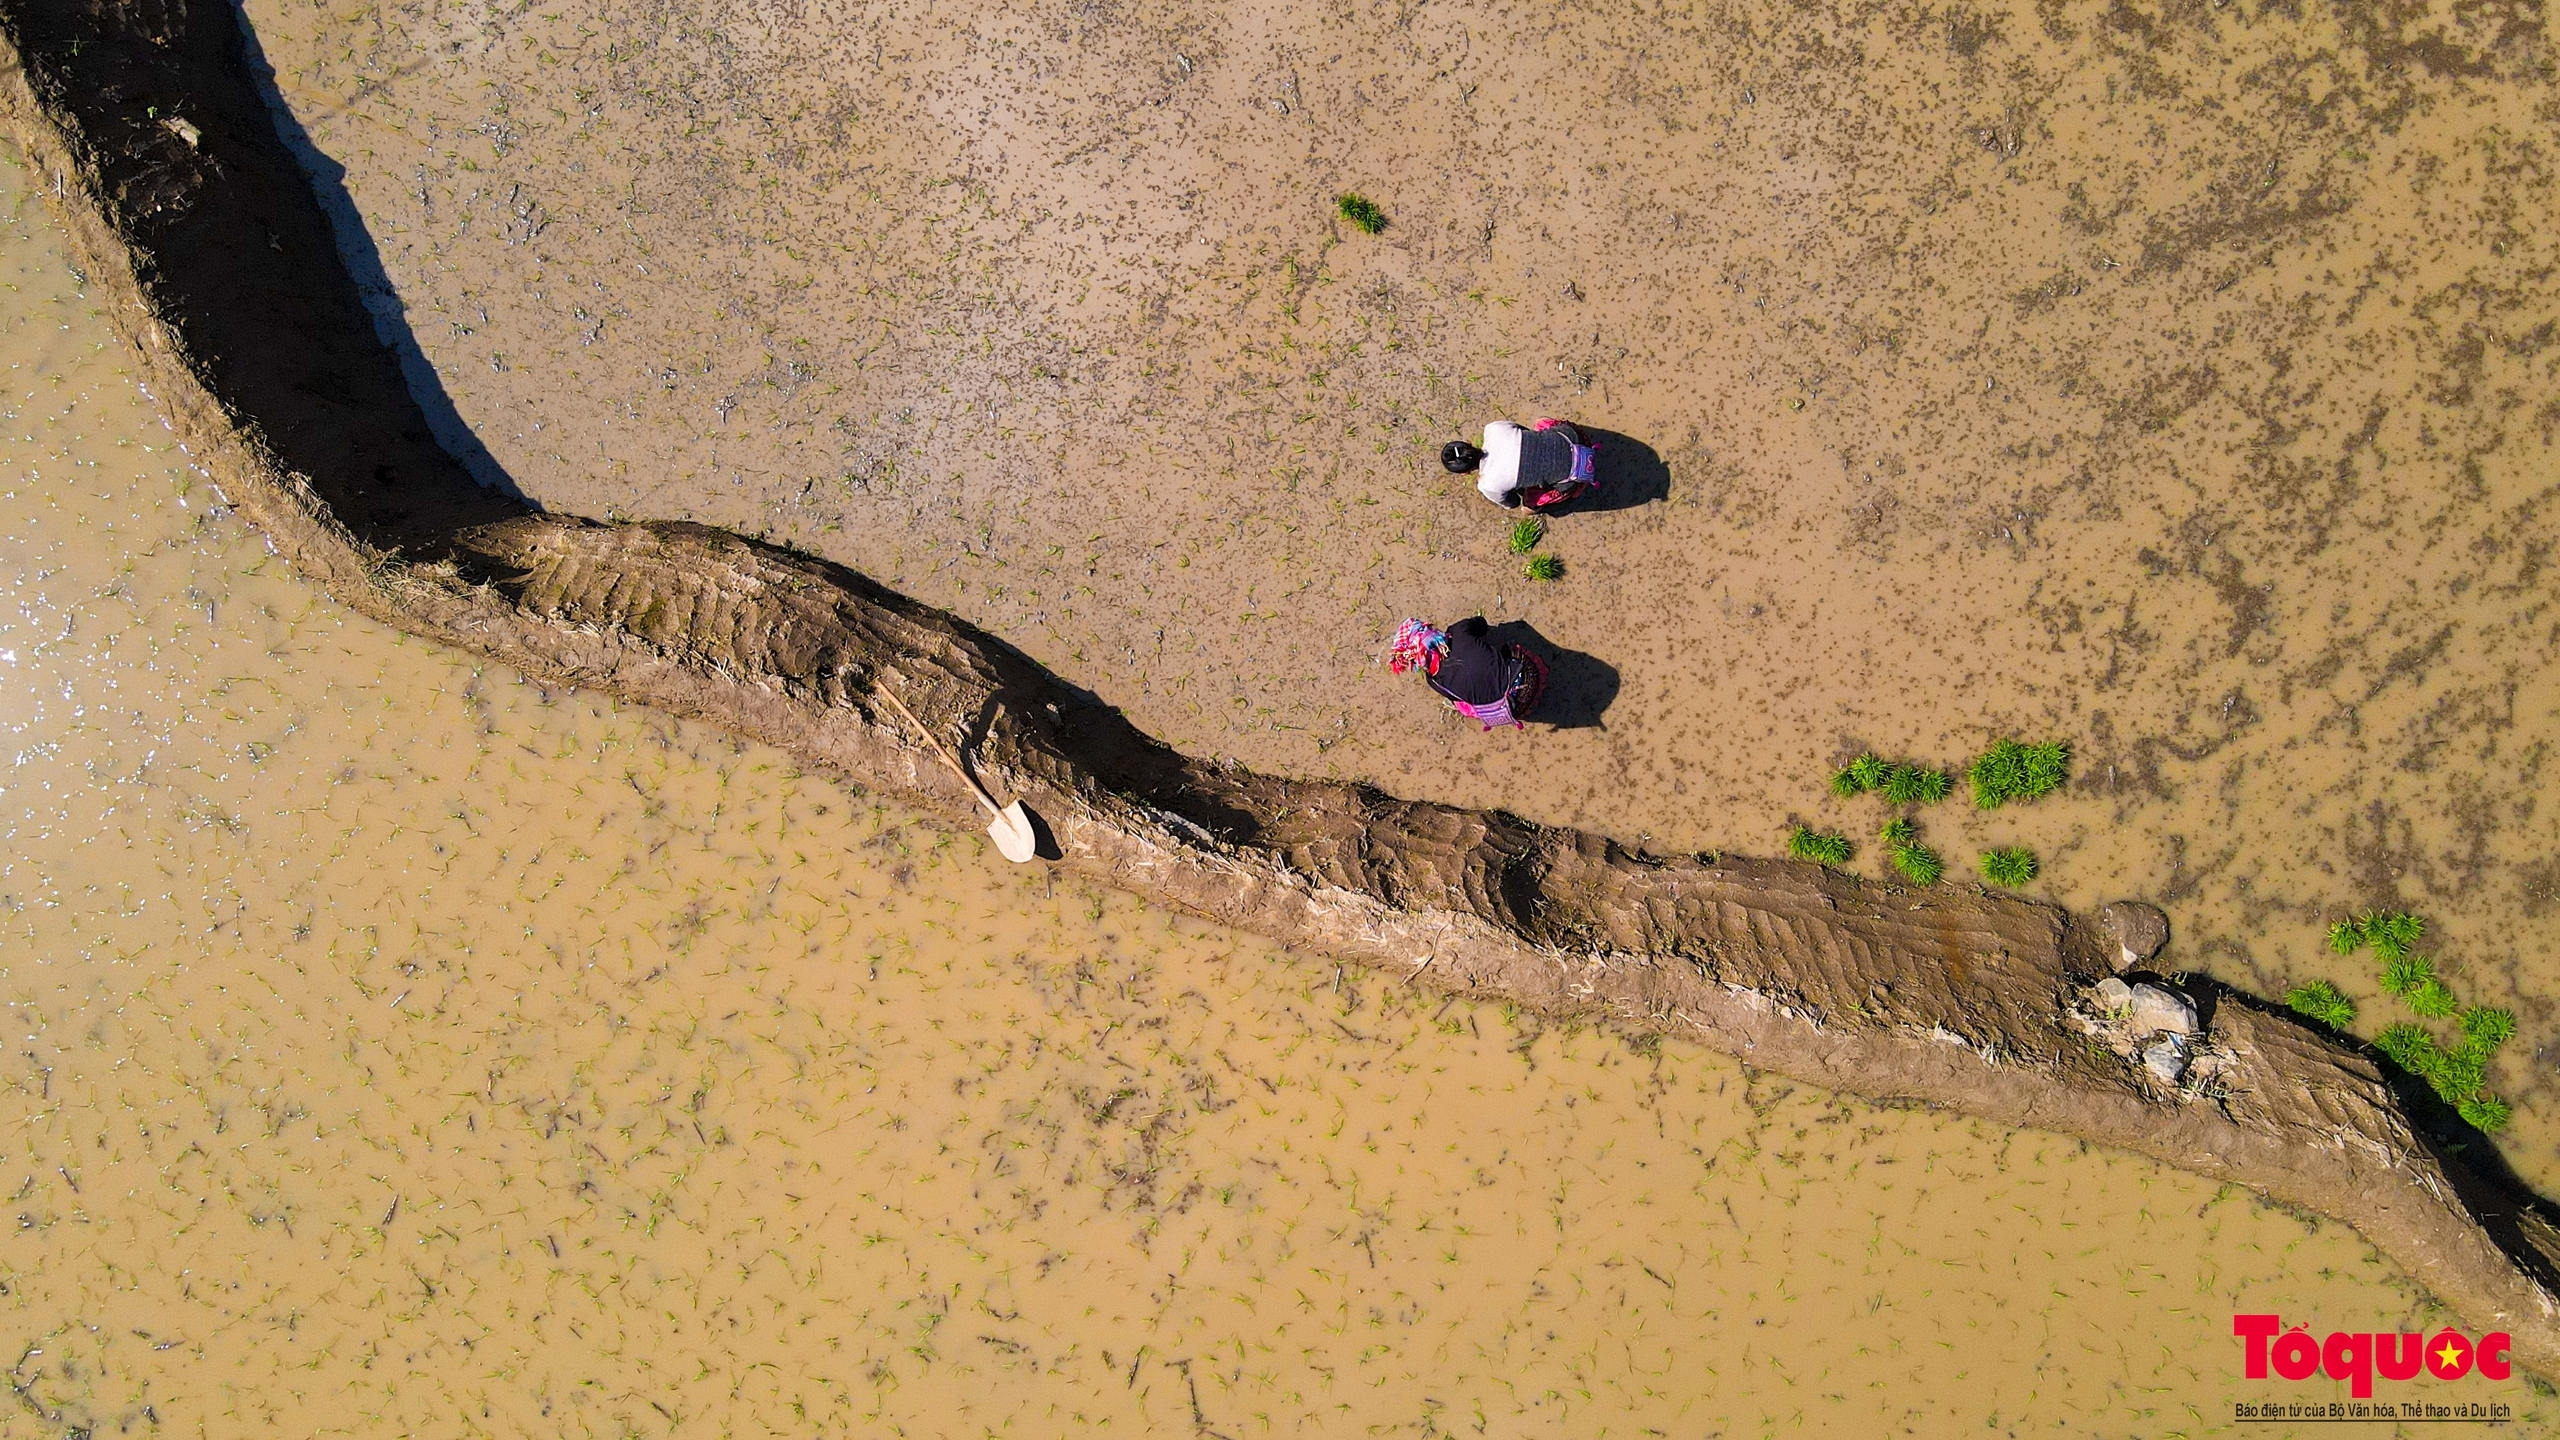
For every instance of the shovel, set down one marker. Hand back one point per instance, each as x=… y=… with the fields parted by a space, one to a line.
x=1011 y=829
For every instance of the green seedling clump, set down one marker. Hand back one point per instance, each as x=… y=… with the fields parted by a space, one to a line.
x=1525 y=534
x=2485 y=1029
x=2048 y=765
x=1819 y=846
x=2404 y=975
x=2010 y=866
x=1364 y=216
x=1543 y=567
x=2012 y=771
x=2392 y=936
x=2408 y=1046
x=1917 y=785
x=2486 y=1113
x=2433 y=999
x=1859 y=776
x=2323 y=1002
x=1918 y=863
x=2455 y=1075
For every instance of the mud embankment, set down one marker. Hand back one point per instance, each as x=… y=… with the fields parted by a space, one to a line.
x=204 y=241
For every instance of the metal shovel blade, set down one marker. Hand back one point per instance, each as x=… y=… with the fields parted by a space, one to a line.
x=1011 y=830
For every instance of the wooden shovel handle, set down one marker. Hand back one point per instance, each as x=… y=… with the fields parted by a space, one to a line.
x=947 y=757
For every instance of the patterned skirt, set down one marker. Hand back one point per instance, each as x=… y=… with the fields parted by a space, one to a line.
x=1528 y=686
x=1528 y=679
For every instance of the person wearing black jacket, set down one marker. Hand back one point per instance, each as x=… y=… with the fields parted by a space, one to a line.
x=1493 y=685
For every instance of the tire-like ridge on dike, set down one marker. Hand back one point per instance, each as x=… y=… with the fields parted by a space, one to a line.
x=145 y=127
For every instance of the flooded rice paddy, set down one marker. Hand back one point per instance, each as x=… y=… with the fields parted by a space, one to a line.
x=401 y=1047
x=2173 y=380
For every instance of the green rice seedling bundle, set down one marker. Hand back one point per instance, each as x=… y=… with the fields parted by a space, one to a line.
x=2013 y=771
x=1859 y=776
x=1819 y=846
x=1364 y=216
x=1918 y=863
x=2392 y=936
x=2486 y=1113
x=2010 y=866
x=1917 y=785
x=2407 y=1045
x=2403 y=976
x=2323 y=1002
x=2433 y=999
x=2485 y=1029
x=2455 y=1075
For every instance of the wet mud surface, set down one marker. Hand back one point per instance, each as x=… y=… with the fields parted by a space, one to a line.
x=1818 y=974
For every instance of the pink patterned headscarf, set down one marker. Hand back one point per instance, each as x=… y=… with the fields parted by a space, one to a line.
x=1416 y=644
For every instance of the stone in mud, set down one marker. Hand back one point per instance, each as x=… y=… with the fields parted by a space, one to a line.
x=2114 y=995
x=2139 y=930
x=2158 y=1011
x=2166 y=1058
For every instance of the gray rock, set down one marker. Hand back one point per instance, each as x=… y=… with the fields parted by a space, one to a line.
x=2114 y=995
x=2166 y=1059
x=2157 y=1011
x=2139 y=931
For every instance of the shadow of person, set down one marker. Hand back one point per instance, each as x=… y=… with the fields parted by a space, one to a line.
x=1631 y=474
x=1579 y=687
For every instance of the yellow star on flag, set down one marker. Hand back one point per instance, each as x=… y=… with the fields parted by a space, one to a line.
x=2448 y=1354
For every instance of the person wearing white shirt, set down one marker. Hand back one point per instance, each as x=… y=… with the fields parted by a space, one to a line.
x=1537 y=467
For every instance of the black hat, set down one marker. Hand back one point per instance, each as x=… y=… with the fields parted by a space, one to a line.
x=1458 y=457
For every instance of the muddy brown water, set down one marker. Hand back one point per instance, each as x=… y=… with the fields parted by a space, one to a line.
x=402 y=1047
x=2175 y=382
